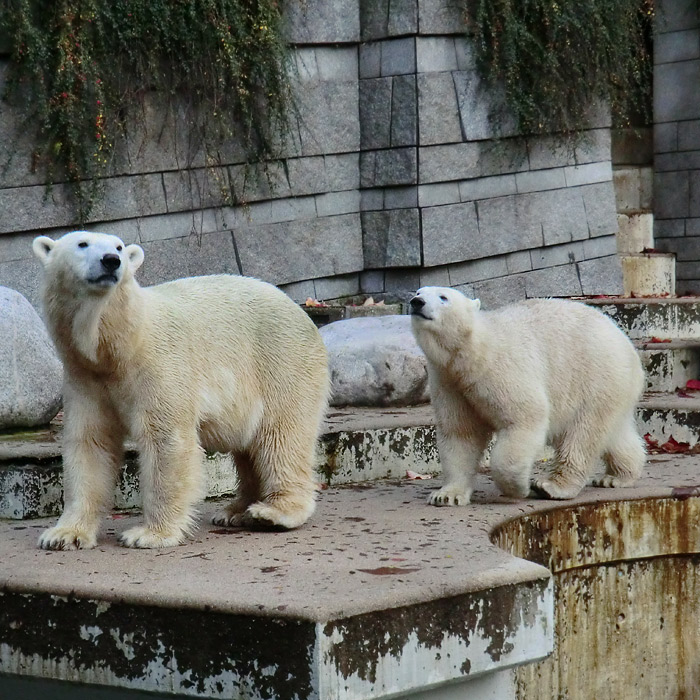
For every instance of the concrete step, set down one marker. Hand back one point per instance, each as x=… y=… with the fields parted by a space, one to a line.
x=666 y=415
x=358 y=444
x=668 y=318
x=635 y=232
x=379 y=595
x=649 y=274
x=669 y=366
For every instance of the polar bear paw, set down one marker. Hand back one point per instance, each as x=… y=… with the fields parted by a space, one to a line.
x=450 y=496
x=546 y=488
x=224 y=518
x=142 y=537
x=608 y=481
x=62 y=537
x=266 y=516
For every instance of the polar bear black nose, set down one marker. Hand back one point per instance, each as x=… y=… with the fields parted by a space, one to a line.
x=417 y=303
x=111 y=262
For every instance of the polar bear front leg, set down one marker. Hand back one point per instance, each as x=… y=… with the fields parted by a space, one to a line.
x=93 y=450
x=171 y=486
x=459 y=458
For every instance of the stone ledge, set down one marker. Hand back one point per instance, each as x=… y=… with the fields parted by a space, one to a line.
x=388 y=604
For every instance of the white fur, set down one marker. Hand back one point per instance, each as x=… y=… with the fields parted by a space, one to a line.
x=224 y=363
x=545 y=370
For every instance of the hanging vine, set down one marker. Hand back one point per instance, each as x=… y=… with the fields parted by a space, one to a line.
x=79 y=71
x=556 y=58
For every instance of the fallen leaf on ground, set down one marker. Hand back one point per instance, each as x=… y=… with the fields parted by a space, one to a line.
x=416 y=475
x=314 y=302
x=388 y=571
x=672 y=446
x=693 y=384
x=368 y=301
x=654 y=339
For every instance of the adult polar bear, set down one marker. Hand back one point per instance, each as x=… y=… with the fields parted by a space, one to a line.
x=227 y=363
x=545 y=370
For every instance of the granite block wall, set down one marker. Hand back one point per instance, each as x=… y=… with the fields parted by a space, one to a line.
x=392 y=177
x=677 y=138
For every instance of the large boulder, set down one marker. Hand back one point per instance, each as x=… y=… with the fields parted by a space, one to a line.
x=30 y=371
x=375 y=362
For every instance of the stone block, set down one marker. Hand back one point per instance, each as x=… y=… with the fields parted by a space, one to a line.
x=675 y=15
x=400 y=197
x=601 y=276
x=487 y=187
x=694 y=203
x=396 y=166
x=328 y=288
x=692 y=226
x=552 y=256
x=402 y=18
x=595 y=146
x=16 y=246
x=342 y=171
x=34 y=209
x=601 y=210
x=438 y=114
x=688 y=135
x=560 y=281
x=398 y=56
x=337 y=63
x=672 y=99
x=375 y=113
x=24 y=276
x=466 y=55
x=577 y=175
x=313 y=247
x=198 y=189
x=324 y=128
x=435 y=54
x=371 y=200
x=636 y=232
x=550 y=152
x=518 y=261
x=370 y=60
x=671 y=194
x=131 y=196
x=669 y=228
x=374 y=18
x=299 y=291
x=482 y=110
x=391 y=238
x=404 y=109
x=666 y=136
x=435 y=277
x=501 y=157
x=499 y=292
x=334 y=203
x=685 y=160
x=477 y=270
x=402 y=283
x=321 y=21
x=178 y=225
x=561 y=213
x=632 y=146
x=189 y=256
x=600 y=247
x=277 y=210
x=682 y=45
x=441 y=17
x=459 y=161
x=439 y=193
x=129 y=230
x=537 y=180
x=31 y=375
x=306 y=175
x=451 y=234
x=372 y=281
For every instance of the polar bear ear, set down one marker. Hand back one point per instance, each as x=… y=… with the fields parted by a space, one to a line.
x=134 y=254
x=42 y=246
x=477 y=304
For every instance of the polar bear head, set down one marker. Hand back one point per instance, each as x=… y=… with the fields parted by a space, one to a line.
x=93 y=262
x=442 y=318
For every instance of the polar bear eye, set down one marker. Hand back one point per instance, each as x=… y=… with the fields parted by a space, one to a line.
x=443 y=297
x=82 y=244
x=119 y=248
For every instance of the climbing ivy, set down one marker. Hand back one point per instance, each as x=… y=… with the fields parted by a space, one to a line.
x=80 y=72
x=556 y=58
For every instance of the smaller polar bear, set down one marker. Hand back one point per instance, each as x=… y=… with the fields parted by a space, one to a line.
x=537 y=372
x=224 y=363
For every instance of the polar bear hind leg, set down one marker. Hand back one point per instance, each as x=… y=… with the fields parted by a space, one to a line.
x=624 y=457
x=247 y=493
x=513 y=455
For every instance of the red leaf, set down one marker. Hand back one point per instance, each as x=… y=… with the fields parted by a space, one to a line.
x=654 y=339
x=650 y=441
x=683 y=394
x=693 y=384
x=672 y=447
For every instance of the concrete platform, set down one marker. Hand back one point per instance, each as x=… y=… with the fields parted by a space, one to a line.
x=380 y=594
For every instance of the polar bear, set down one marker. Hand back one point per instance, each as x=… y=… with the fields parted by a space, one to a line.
x=544 y=370
x=222 y=363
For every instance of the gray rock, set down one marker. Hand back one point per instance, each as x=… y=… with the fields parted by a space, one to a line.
x=30 y=371
x=375 y=362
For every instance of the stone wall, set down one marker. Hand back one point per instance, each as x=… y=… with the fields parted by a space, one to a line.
x=677 y=138
x=393 y=178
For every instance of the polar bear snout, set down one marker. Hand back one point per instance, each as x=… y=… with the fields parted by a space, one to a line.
x=111 y=262
x=417 y=305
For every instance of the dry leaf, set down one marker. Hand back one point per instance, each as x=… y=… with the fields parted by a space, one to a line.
x=314 y=302
x=416 y=475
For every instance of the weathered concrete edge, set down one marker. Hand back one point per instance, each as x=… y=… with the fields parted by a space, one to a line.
x=220 y=655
